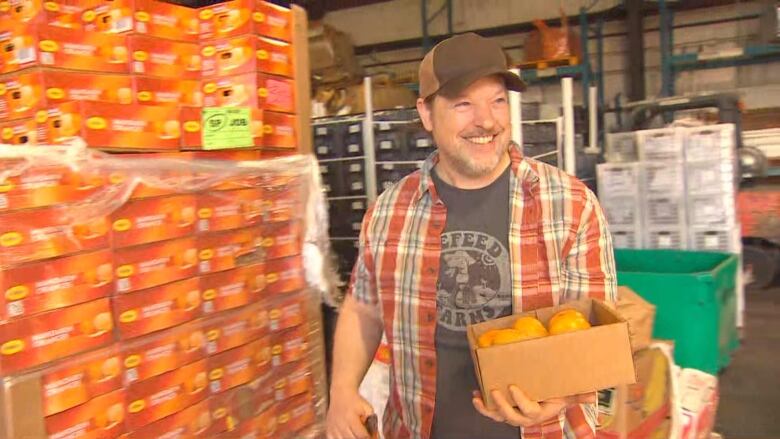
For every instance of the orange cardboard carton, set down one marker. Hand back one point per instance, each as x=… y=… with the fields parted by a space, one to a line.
x=142 y=267
x=244 y=410
x=80 y=379
x=98 y=418
x=44 y=286
x=161 y=58
x=168 y=91
x=231 y=289
x=286 y=313
x=246 y=54
x=275 y=93
x=20 y=132
x=232 y=329
x=30 y=235
x=192 y=135
x=289 y=347
x=273 y=21
x=229 y=210
x=25 y=186
x=232 y=368
x=149 y=189
x=28 y=45
x=155 y=398
x=226 y=19
x=108 y=16
x=49 y=336
x=257 y=90
x=282 y=201
x=295 y=379
x=279 y=130
x=284 y=275
x=166 y=20
x=57 y=13
x=24 y=93
x=153 y=219
x=231 y=154
x=154 y=354
x=192 y=422
x=295 y=415
x=281 y=240
x=158 y=308
x=227 y=250
x=565 y=364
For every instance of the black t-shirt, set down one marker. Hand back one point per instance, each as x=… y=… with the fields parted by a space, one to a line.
x=474 y=285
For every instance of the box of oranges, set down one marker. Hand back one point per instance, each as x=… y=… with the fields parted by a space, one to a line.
x=577 y=347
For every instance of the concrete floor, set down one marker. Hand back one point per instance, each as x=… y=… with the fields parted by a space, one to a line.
x=750 y=386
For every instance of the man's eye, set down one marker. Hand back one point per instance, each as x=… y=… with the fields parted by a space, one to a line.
x=501 y=100
x=463 y=105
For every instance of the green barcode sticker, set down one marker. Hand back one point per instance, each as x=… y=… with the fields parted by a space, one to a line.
x=227 y=127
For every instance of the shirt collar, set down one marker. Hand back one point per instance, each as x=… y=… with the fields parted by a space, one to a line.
x=520 y=168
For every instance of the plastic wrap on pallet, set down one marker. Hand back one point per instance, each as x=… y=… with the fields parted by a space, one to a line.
x=122 y=315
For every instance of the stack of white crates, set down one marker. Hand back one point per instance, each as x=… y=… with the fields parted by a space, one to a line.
x=678 y=195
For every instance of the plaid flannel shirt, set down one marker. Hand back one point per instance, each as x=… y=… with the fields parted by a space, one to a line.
x=560 y=250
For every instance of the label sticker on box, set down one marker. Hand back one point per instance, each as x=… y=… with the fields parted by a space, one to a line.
x=711 y=241
x=664 y=240
x=384 y=126
x=227 y=127
x=354 y=128
x=353 y=148
x=386 y=144
x=423 y=143
x=322 y=150
x=355 y=167
x=321 y=131
x=358 y=205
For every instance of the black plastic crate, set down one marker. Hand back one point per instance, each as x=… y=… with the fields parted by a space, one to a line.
x=352 y=145
x=353 y=178
x=346 y=217
x=390 y=144
x=420 y=144
x=331 y=178
x=387 y=174
x=328 y=139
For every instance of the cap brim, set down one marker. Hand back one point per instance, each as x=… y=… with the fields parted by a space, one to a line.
x=455 y=86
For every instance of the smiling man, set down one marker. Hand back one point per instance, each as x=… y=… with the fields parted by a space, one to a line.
x=480 y=232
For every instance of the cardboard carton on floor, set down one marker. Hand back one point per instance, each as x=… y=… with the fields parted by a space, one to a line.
x=168 y=91
x=562 y=365
x=246 y=54
x=154 y=354
x=153 y=219
x=99 y=417
x=20 y=132
x=227 y=250
x=257 y=90
x=273 y=21
x=640 y=315
x=147 y=266
x=157 y=308
x=166 y=20
x=279 y=130
x=226 y=19
x=192 y=422
x=161 y=58
x=231 y=329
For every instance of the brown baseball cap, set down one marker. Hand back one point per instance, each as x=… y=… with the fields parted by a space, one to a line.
x=456 y=62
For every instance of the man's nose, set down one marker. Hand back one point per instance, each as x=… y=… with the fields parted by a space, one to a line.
x=484 y=118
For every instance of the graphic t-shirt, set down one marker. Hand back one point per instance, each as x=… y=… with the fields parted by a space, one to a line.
x=474 y=285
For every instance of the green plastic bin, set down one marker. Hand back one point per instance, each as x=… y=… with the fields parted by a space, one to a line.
x=695 y=298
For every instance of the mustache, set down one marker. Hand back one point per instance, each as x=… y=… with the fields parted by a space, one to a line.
x=482 y=133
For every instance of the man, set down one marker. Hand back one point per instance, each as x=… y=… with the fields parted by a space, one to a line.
x=479 y=233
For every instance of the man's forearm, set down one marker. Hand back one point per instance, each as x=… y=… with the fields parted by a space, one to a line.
x=358 y=334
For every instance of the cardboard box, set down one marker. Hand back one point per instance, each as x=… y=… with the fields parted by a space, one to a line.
x=161 y=58
x=565 y=364
x=192 y=422
x=235 y=328
x=287 y=313
x=283 y=200
x=273 y=21
x=244 y=410
x=228 y=250
x=166 y=20
x=153 y=219
x=23 y=94
x=279 y=130
x=156 y=354
x=246 y=54
x=29 y=45
x=289 y=347
x=229 y=210
x=226 y=19
x=58 y=13
x=257 y=90
x=232 y=368
x=142 y=267
x=640 y=316
x=31 y=235
x=155 y=398
x=49 y=336
x=106 y=16
x=699 y=396
x=25 y=186
x=20 y=132
x=231 y=154
x=284 y=275
x=101 y=417
x=293 y=380
x=192 y=135
x=168 y=91
x=295 y=415
x=231 y=289
x=143 y=190
x=162 y=307
x=281 y=240
x=52 y=284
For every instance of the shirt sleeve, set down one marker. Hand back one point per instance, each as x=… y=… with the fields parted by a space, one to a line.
x=589 y=266
x=363 y=281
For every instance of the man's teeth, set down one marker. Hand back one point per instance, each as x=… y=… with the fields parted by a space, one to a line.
x=481 y=140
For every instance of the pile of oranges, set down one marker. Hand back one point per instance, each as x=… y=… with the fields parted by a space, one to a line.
x=526 y=328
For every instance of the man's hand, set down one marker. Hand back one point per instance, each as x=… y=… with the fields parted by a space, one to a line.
x=346 y=414
x=528 y=412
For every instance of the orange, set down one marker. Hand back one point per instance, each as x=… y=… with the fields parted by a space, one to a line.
x=506 y=336
x=486 y=339
x=568 y=320
x=530 y=328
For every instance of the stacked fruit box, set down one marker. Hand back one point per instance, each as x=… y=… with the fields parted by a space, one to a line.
x=155 y=297
x=134 y=75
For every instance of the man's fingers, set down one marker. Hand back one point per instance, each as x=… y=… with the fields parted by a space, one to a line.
x=588 y=398
x=357 y=429
x=527 y=406
x=506 y=410
x=480 y=406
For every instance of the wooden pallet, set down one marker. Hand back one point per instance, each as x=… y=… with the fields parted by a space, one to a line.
x=547 y=63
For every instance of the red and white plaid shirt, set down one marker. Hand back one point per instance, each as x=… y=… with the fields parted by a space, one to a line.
x=560 y=250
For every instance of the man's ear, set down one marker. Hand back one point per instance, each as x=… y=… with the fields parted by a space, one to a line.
x=424 y=109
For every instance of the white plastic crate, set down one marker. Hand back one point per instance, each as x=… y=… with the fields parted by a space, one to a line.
x=720 y=239
x=710 y=177
x=621 y=148
x=626 y=237
x=664 y=144
x=711 y=142
x=663 y=178
x=622 y=211
x=665 y=210
x=711 y=210
x=666 y=238
x=615 y=179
